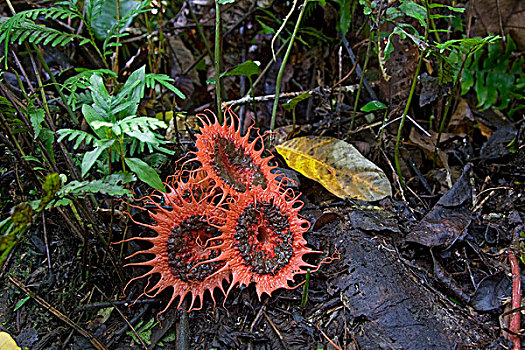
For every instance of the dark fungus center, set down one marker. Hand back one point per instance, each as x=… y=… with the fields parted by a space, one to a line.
x=186 y=248
x=263 y=238
x=235 y=167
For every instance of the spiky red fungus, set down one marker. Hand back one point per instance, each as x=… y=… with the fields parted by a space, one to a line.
x=263 y=240
x=231 y=160
x=183 y=224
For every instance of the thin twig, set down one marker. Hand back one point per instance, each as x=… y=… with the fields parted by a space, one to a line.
x=275 y=328
x=514 y=326
x=46 y=242
x=248 y=99
x=144 y=345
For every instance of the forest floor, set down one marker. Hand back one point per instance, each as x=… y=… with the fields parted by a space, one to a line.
x=433 y=266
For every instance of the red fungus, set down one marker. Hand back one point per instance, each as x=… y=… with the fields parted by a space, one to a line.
x=184 y=224
x=229 y=216
x=262 y=240
x=231 y=160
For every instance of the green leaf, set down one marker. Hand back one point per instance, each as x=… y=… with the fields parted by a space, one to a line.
x=373 y=106
x=291 y=104
x=247 y=69
x=50 y=187
x=92 y=116
x=410 y=8
x=132 y=92
x=112 y=185
x=165 y=81
x=99 y=93
x=91 y=157
x=106 y=17
x=21 y=303
x=145 y=173
x=37 y=117
x=345 y=15
x=22 y=215
x=48 y=139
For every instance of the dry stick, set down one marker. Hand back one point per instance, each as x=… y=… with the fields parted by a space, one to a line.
x=358 y=71
x=514 y=326
x=94 y=341
x=275 y=329
x=329 y=340
x=104 y=304
x=201 y=32
x=46 y=243
x=125 y=319
x=60 y=93
x=248 y=99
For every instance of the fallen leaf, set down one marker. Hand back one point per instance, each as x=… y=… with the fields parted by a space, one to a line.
x=7 y=342
x=337 y=165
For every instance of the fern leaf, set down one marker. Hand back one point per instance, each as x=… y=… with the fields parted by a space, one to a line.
x=112 y=185
x=79 y=135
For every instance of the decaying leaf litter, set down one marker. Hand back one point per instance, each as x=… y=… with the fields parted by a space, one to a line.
x=421 y=251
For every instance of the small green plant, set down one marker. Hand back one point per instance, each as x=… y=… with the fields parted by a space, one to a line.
x=497 y=78
x=118 y=132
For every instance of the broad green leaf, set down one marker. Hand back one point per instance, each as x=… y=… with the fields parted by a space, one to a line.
x=247 y=69
x=99 y=93
x=291 y=104
x=336 y=165
x=345 y=15
x=106 y=18
x=373 y=106
x=91 y=157
x=92 y=116
x=145 y=173
x=132 y=92
x=48 y=139
x=410 y=8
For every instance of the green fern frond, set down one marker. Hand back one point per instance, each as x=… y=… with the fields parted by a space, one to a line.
x=79 y=135
x=165 y=81
x=112 y=185
x=20 y=28
x=52 y=12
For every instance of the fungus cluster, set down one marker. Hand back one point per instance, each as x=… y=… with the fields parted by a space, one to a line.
x=228 y=220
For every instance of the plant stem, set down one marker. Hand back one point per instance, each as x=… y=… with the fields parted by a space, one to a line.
x=361 y=82
x=217 y=59
x=283 y=64
x=201 y=32
x=409 y=101
x=60 y=93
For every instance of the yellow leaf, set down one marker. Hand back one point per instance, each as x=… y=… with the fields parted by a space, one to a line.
x=337 y=165
x=7 y=342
